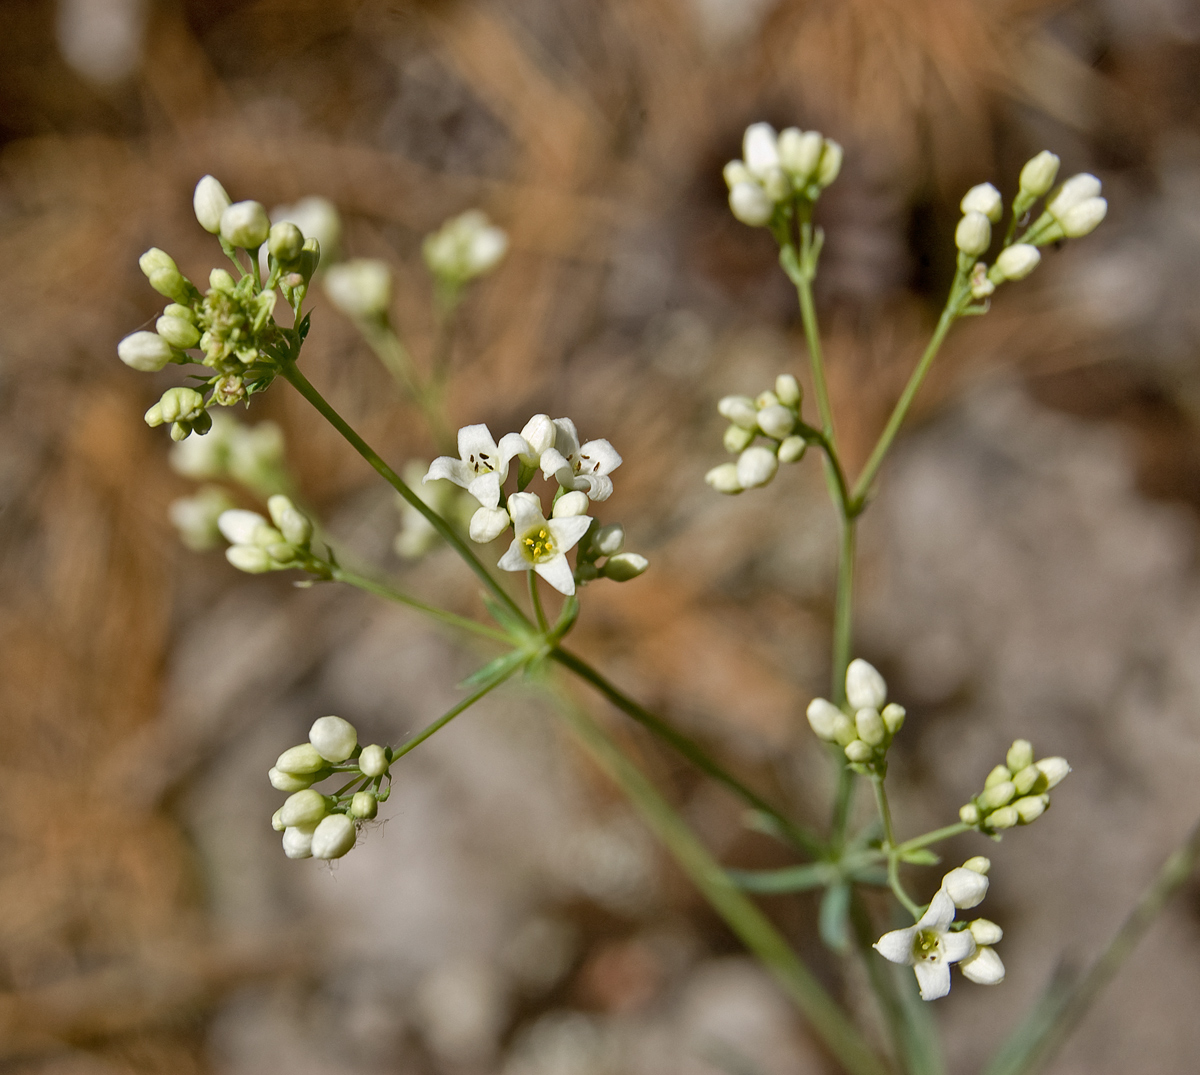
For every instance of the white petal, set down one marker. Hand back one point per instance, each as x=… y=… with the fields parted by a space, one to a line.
x=487 y=524
x=940 y=913
x=897 y=945
x=475 y=440
x=933 y=978
x=510 y=446
x=513 y=560
x=566 y=532
x=557 y=572
x=566 y=437
x=239 y=526
x=565 y=476
x=538 y=434
x=552 y=461
x=486 y=489
x=526 y=511
x=956 y=946
x=451 y=469
x=597 y=486
x=598 y=457
x=984 y=967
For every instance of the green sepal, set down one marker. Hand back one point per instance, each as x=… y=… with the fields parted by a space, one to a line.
x=831 y=920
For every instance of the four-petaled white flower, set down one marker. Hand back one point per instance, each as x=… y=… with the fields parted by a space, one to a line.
x=929 y=947
x=482 y=465
x=541 y=544
x=584 y=468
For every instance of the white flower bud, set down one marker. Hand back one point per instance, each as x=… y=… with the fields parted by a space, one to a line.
x=997 y=795
x=487 y=524
x=1055 y=769
x=736 y=172
x=775 y=183
x=285 y=241
x=979 y=864
x=800 y=152
x=969 y=814
x=195 y=517
x=858 y=751
x=317 y=218
x=984 y=967
x=998 y=775
x=333 y=738
x=277 y=822
x=965 y=887
x=147 y=352
x=736 y=438
x=251 y=559
x=222 y=280
x=176 y=405
x=178 y=332
x=624 y=566
x=361 y=289
x=245 y=224
x=985 y=931
x=766 y=399
x=787 y=389
x=984 y=199
x=760 y=148
x=609 y=540
x=373 y=761
x=1083 y=219
x=740 y=410
x=289 y=782
x=1004 y=818
x=870 y=726
x=164 y=275
x=724 y=479
x=865 y=687
x=486 y=250
x=569 y=504
x=297 y=843
x=831 y=163
x=1020 y=754
x=1018 y=261
x=825 y=719
x=539 y=433
x=751 y=204
x=1076 y=190
x=973 y=234
x=1031 y=807
x=1027 y=779
x=210 y=201
x=893 y=717
x=776 y=421
x=240 y=527
x=293 y=524
x=792 y=449
x=1039 y=174
x=301 y=760
x=756 y=466
x=364 y=805
x=333 y=837
x=303 y=808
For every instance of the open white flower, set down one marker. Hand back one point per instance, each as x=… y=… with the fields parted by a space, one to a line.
x=541 y=543
x=929 y=947
x=482 y=465
x=585 y=467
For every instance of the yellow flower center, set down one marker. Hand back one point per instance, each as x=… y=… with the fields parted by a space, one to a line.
x=538 y=545
x=927 y=946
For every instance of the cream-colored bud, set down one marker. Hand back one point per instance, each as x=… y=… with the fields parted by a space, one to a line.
x=751 y=204
x=792 y=449
x=333 y=738
x=736 y=172
x=222 y=280
x=724 y=479
x=788 y=390
x=865 y=687
x=979 y=864
x=240 y=527
x=776 y=421
x=277 y=821
x=1076 y=190
x=766 y=399
x=245 y=224
x=373 y=760
x=756 y=466
x=624 y=566
x=251 y=559
x=164 y=275
x=361 y=289
x=859 y=752
x=1020 y=754
x=333 y=837
x=965 y=887
x=760 y=148
x=893 y=717
x=487 y=524
x=831 y=163
x=539 y=433
x=800 y=153
x=983 y=967
x=297 y=842
x=570 y=504
x=775 y=184
x=290 y=782
x=303 y=808
x=736 y=438
x=1039 y=174
x=740 y=410
x=1031 y=807
x=825 y=719
x=998 y=775
x=178 y=332
x=285 y=241
x=1004 y=818
x=1054 y=769
x=973 y=234
x=969 y=814
x=983 y=198
x=1083 y=219
x=210 y=201
x=293 y=524
x=301 y=760
x=985 y=931
x=997 y=795
x=364 y=805
x=870 y=727
x=146 y=352
x=1018 y=261
x=609 y=540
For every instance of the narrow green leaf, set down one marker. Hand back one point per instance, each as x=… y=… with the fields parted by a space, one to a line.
x=831 y=921
x=790 y=879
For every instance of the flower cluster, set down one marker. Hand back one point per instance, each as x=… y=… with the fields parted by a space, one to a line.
x=935 y=941
x=866 y=727
x=774 y=416
x=232 y=322
x=776 y=168
x=581 y=472
x=1016 y=792
x=252 y=456
x=465 y=247
x=325 y=826
x=257 y=545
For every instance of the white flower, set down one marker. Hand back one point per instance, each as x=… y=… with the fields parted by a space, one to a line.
x=929 y=947
x=465 y=247
x=361 y=289
x=541 y=543
x=865 y=687
x=584 y=468
x=482 y=465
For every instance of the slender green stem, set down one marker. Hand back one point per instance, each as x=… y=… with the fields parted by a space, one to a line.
x=889 y=836
x=450 y=714
x=535 y=600
x=937 y=836
x=389 y=594
x=843 y=618
x=688 y=748
x=1036 y=1041
x=828 y=1021
x=808 y=314
x=302 y=385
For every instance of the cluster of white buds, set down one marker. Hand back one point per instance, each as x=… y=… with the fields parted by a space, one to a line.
x=325 y=826
x=777 y=168
x=864 y=729
x=252 y=456
x=606 y=543
x=360 y=288
x=774 y=416
x=196 y=517
x=935 y=941
x=257 y=545
x=232 y=322
x=581 y=472
x=465 y=247
x=1015 y=793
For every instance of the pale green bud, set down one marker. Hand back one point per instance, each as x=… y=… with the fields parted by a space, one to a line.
x=740 y=410
x=252 y=559
x=893 y=717
x=858 y=751
x=1018 y=261
x=179 y=333
x=787 y=389
x=290 y=782
x=792 y=449
x=195 y=518
x=177 y=405
x=361 y=289
x=800 y=152
x=373 y=761
x=737 y=438
x=297 y=842
x=775 y=183
x=1039 y=174
x=210 y=201
x=333 y=837
x=1054 y=769
x=985 y=931
x=280 y=552
x=870 y=727
x=609 y=540
x=736 y=172
x=245 y=224
x=825 y=719
x=997 y=795
x=865 y=687
x=364 y=805
x=969 y=814
x=751 y=204
x=756 y=466
x=145 y=351
x=1020 y=754
x=277 y=821
x=724 y=479
x=1031 y=807
x=1004 y=818
x=293 y=524
x=310 y=259
x=303 y=808
x=776 y=421
x=154 y=260
x=333 y=738
x=973 y=234
x=1027 y=779
x=997 y=776
x=978 y=863
x=164 y=275
x=285 y=241
x=570 y=504
x=222 y=280
x=301 y=760
x=766 y=399
x=624 y=566
x=983 y=198
x=831 y=163
x=1083 y=219
x=1075 y=191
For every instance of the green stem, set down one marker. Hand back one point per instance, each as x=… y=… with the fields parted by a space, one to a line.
x=1036 y=1041
x=302 y=385
x=450 y=714
x=843 y=613
x=893 y=859
x=827 y=1020
x=937 y=836
x=688 y=748
x=536 y=601
x=808 y=314
x=388 y=594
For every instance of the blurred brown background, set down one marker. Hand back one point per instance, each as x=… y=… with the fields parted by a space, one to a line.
x=1030 y=567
